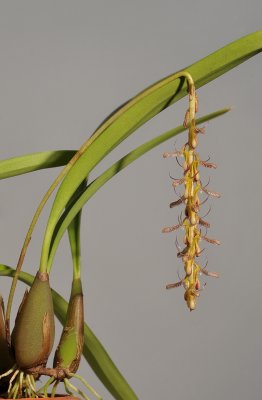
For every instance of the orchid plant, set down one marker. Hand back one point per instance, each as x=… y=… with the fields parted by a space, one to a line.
x=26 y=344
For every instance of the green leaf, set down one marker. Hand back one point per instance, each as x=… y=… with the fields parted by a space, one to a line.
x=139 y=110
x=94 y=352
x=74 y=234
x=32 y=162
x=85 y=194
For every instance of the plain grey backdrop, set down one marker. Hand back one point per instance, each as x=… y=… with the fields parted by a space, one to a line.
x=65 y=65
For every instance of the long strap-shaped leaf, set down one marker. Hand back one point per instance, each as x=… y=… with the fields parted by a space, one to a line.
x=32 y=162
x=36 y=161
x=139 y=110
x=94 y=352
x=85 y=194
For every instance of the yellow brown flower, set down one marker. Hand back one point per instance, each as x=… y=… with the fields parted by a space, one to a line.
x=192 y=222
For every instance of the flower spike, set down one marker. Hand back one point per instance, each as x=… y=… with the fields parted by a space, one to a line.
x=191 y=198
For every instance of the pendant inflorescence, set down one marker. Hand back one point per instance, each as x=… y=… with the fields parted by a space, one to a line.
x=192 y=223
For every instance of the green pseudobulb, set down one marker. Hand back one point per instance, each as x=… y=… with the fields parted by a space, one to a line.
x=68 y=353
x=33 y=334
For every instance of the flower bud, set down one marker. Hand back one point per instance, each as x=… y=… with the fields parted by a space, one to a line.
x=193 y=219
x=197 y=249
x=190 y=157
x=190 y=299
x=188 y=267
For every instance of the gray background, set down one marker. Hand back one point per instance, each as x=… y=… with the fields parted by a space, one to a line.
x=65 y=65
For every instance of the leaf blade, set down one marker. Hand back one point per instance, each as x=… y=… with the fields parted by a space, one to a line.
x=33 y=162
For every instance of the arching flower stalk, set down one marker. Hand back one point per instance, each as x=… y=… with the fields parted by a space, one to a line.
x=192 y=221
